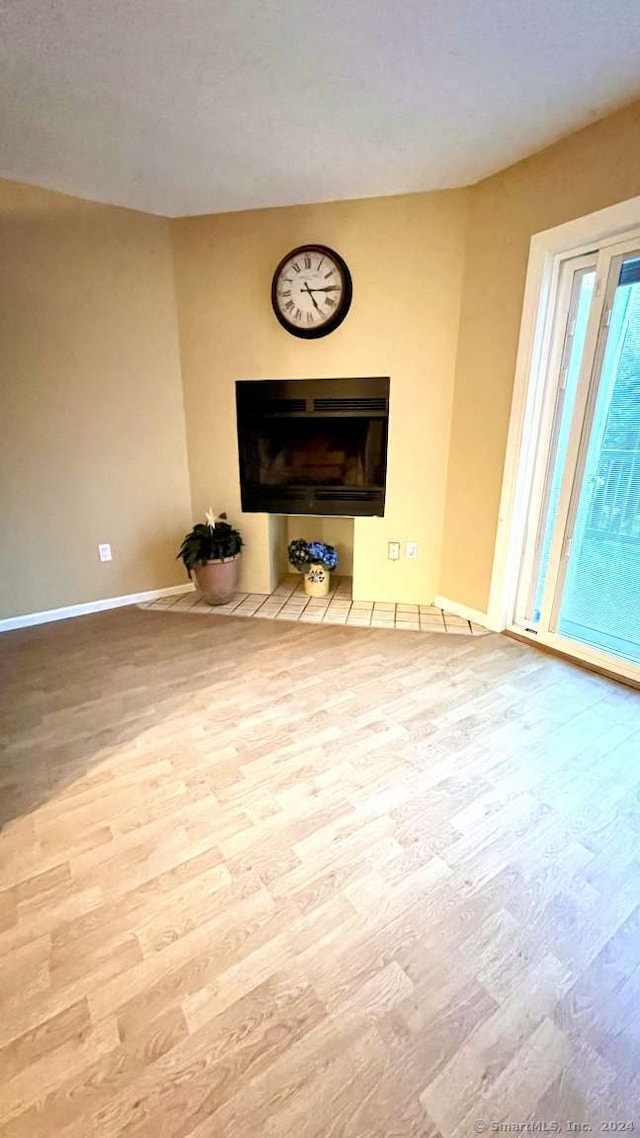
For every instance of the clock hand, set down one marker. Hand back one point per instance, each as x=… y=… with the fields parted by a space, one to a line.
x=327 y=288
x=313 y=299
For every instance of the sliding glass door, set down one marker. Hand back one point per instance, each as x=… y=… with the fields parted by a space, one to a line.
x=598 y=599
x=580 y=571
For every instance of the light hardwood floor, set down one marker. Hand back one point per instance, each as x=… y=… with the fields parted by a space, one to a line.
x=262 y=878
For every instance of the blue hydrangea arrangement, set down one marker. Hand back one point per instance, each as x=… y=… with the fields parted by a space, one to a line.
x=321 y=554
x=303 y=553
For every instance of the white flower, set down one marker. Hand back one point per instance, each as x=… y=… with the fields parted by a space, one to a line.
x=211 y=517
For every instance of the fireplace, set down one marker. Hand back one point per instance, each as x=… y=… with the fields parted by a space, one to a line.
x=313 y=446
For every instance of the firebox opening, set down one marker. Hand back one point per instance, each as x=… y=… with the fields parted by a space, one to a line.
x=313 y=446
x=321 y=453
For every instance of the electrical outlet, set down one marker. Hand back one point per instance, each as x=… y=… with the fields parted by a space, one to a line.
x=411 y=550
x=394 y=550
x=104 y=552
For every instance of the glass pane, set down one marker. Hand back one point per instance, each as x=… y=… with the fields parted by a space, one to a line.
x=601 y=598
x=578 y=319
x=320 y=452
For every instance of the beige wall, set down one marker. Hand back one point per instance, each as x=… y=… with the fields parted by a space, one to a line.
x=406 y=258
x=92 y=445
x=587 y=171
x=93 y=428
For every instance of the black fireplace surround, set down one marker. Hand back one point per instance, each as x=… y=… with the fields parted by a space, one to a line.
x=313 y=446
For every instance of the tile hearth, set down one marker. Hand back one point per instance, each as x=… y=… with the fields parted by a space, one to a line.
x=289 y=602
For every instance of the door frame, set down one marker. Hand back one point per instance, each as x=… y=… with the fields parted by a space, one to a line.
x=548 y=251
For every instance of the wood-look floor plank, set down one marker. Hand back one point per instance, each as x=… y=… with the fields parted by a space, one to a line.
x=294 y=879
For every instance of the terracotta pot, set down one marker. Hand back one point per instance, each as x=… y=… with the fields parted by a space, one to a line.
x=316 y=581
x=217 y=581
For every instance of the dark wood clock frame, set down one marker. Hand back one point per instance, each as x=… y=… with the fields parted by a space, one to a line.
x=341 y=311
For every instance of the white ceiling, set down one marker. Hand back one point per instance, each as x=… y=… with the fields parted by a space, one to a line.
x=195 y=106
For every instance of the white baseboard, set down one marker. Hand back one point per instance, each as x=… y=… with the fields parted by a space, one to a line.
x=68 y=611
x=464 y=611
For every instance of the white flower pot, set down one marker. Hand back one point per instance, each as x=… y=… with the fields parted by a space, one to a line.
x=316 y=581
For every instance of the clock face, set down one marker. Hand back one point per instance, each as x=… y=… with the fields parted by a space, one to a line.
x=311 y=291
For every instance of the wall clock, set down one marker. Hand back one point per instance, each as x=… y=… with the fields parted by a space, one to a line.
x=311 y=291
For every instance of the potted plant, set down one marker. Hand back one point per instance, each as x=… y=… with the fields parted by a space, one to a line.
x=211 y=554
x=317 y=561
